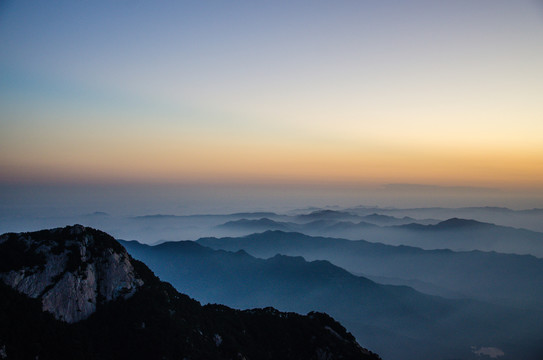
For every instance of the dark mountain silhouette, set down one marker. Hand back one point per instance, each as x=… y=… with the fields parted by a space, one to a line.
x=528 y=219
x=534 y=211
x=456 y=223
x=464 y=234
x=455 y=233
x=387 y=220
x=248 y=226
x=397 y=321
x=451 y=224
x=511 y=280
x=109 y=306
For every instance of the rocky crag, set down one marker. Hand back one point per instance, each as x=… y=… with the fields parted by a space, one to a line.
x=71 y=270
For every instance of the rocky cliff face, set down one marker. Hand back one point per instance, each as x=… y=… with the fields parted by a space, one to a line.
x=71 y=270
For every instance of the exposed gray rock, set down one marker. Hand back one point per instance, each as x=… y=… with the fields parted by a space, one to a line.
x=73 y=283
x=32 y=281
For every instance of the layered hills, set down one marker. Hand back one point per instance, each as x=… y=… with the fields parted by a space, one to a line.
x=505 y=279
x=454 y=233
x=396 y=321
x=75 y=292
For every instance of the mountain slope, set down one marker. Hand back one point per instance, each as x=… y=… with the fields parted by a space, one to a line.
x=135 y=315
x=398 y=322
x=242 y=279
x=512 y=280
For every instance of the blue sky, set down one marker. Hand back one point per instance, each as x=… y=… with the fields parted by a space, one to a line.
x=299 y=92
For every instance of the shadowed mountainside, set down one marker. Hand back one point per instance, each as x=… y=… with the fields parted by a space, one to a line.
x=148 y=319
x=398 y=322
x=512 y=280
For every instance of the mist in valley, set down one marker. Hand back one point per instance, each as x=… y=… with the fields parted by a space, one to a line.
x=441 y=281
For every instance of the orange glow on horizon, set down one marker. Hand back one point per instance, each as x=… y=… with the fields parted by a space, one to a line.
x=215 y=161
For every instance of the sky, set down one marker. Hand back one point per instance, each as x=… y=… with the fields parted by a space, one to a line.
x=299 y=94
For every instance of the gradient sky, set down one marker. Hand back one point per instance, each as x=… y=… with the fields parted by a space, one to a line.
x=446 y=93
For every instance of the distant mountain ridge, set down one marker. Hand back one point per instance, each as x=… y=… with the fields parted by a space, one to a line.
x=456 y=223
x=464 y=234
x=449 y=224
x=501 y=278
x=454 y=233
x=526 y=218
x=126 y=312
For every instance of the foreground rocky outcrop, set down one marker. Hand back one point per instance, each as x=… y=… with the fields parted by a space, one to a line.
x=75 y=292
x=71 y=270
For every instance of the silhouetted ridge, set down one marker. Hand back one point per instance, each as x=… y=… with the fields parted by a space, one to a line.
x=395 y=320
x=187 y=246
x=278 y=258
x=455 y=223
x=451 y=224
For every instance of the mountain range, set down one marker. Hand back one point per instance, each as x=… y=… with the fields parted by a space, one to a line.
x=349 y=223
x=75 y=292
x=455 y=234
x=396 y=321
x=527 y=218
x=505 y=279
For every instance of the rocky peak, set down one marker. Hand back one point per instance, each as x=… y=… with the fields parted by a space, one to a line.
x=72 y=270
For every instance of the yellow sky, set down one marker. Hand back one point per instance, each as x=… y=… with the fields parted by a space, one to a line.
x=362 y=93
